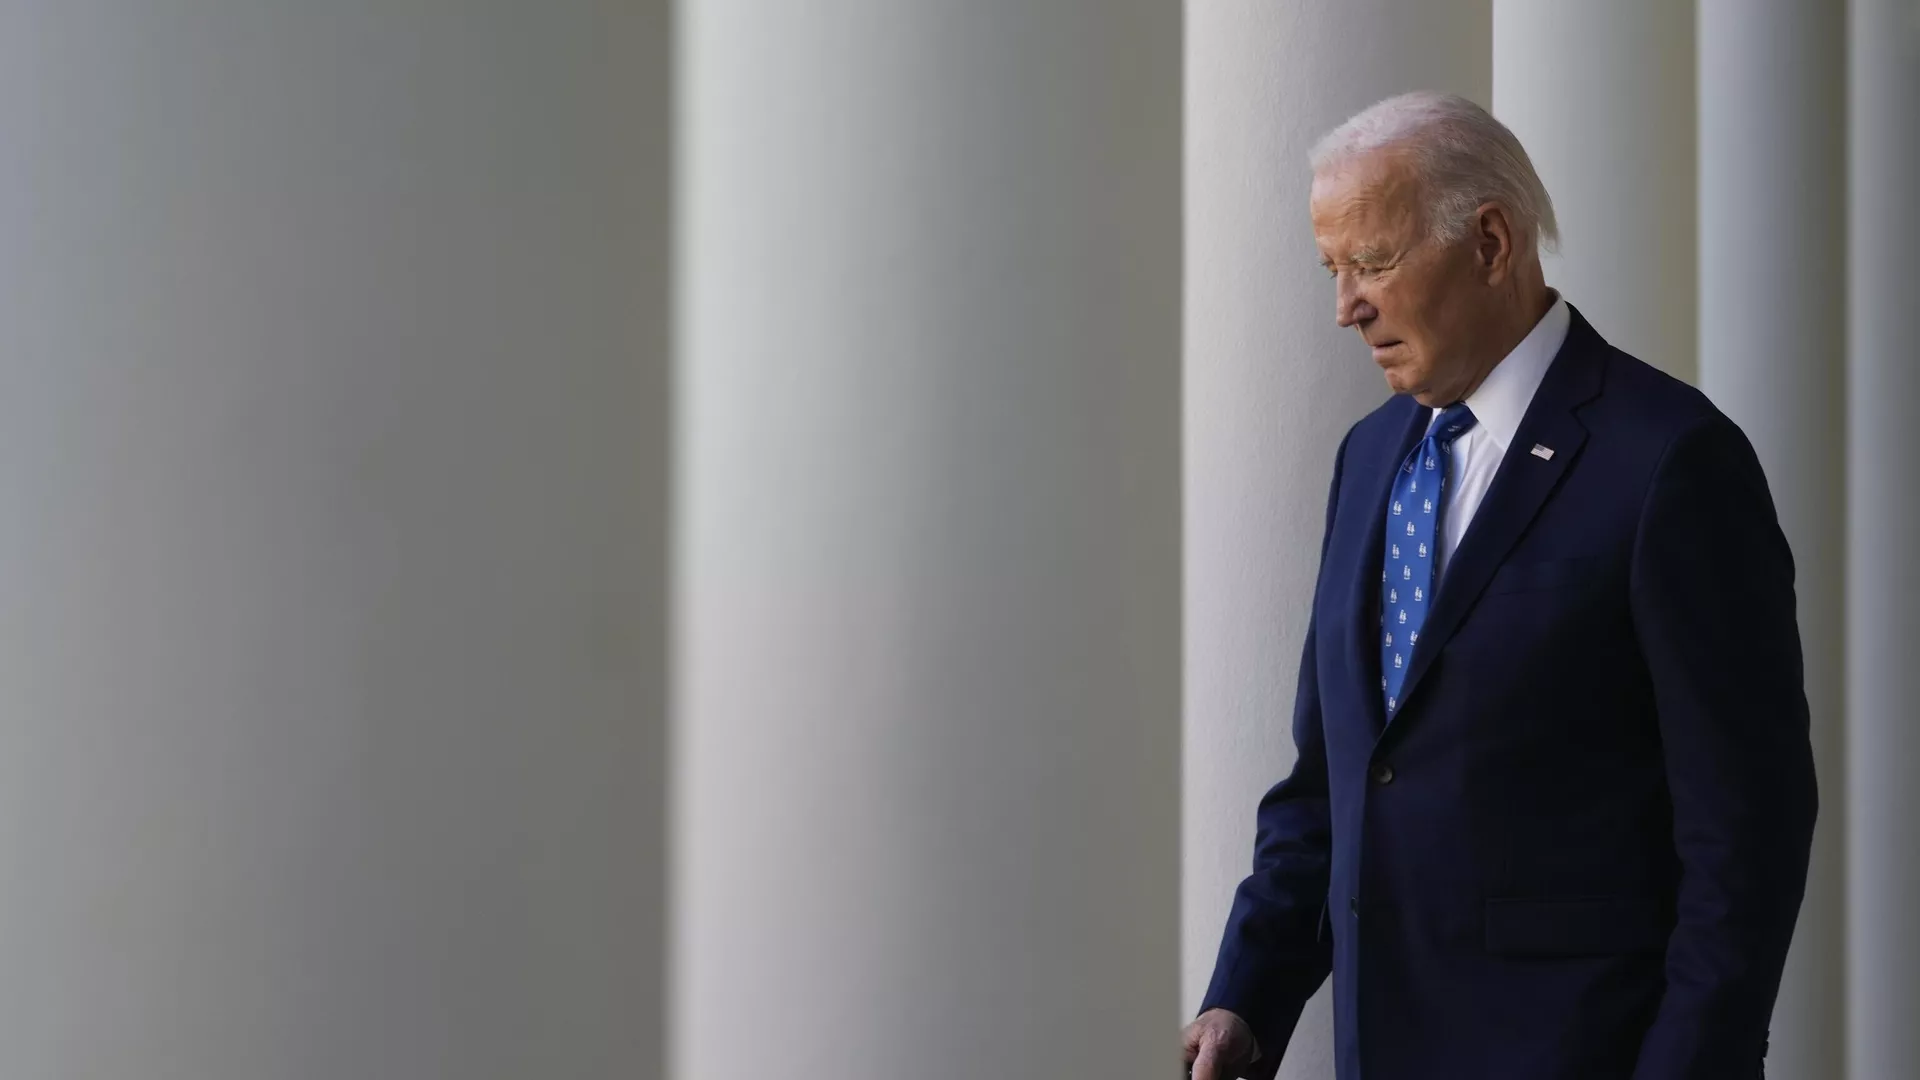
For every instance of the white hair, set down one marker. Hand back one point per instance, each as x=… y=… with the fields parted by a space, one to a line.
x=1462 y=157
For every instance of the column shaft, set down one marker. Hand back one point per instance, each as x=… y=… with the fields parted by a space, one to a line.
x=1883 y=594
x=332 y=561
x=1601 y=93
x=927 y=540
x=1772 y=355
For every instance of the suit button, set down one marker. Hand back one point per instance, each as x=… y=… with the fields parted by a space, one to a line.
x=1353 y=905
x=1383 y=773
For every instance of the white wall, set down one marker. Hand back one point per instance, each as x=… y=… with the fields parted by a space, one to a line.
x=330 y=550
x=1271 y=384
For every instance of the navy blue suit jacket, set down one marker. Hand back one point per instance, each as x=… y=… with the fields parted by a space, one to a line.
x=1579 y=849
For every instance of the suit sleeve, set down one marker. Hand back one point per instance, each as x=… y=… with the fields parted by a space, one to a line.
x=1271 y=959
x=1713 y=607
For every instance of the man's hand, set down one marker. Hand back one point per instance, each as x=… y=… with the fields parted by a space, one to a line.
x=1218 y=1044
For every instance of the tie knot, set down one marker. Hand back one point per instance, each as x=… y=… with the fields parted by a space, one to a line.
x=1453 y=422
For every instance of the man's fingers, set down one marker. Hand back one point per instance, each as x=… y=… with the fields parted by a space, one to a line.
x=1206 y=1066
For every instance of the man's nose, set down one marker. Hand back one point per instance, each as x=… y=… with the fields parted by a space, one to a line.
x=1349 y=306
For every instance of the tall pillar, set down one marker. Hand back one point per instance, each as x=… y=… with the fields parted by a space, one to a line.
x=331 y=557
x=1883 y=578
x=927 y=626
x=1772 y=202
x=1601 y=93
x=1271 y=385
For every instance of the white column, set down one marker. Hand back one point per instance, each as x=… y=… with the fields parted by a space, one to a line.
x=1271 y=385
x=1772 y=204
x=1883 y=578
x=331 y=555
x=1601 y=93
x=927 y=540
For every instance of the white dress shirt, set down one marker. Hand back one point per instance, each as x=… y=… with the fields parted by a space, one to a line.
x=1498 y=406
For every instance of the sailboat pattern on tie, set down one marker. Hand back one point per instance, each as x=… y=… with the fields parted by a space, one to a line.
x=1408 y=614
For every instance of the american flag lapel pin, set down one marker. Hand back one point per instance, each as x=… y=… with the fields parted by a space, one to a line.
x=1544 y=453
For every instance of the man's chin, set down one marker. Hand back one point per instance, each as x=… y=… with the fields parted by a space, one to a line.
x=1400 y=382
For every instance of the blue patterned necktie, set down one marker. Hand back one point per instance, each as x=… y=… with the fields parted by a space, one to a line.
x=1413 y=531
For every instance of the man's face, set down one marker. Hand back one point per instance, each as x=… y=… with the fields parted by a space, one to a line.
x=1415 y=301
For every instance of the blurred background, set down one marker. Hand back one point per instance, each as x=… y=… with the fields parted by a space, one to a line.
x=740 y=538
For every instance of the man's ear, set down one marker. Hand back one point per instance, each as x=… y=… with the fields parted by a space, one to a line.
x=1493 y=242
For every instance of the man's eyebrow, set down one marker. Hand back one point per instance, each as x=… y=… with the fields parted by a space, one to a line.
x=1364 y=257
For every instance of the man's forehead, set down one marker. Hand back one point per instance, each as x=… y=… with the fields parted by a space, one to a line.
x=1350 y=228
x=1362 y=207
x=1382 y=173
x=1381 y=179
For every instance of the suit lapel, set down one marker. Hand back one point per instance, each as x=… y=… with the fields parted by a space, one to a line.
x=1364 y=600
x=1520 y=488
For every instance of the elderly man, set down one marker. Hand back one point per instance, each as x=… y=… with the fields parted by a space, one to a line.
x=1553 y=799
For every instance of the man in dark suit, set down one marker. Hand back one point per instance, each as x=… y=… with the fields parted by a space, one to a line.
x=1554 y=795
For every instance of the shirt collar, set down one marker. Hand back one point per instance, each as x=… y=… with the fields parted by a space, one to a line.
x=1502 y=398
